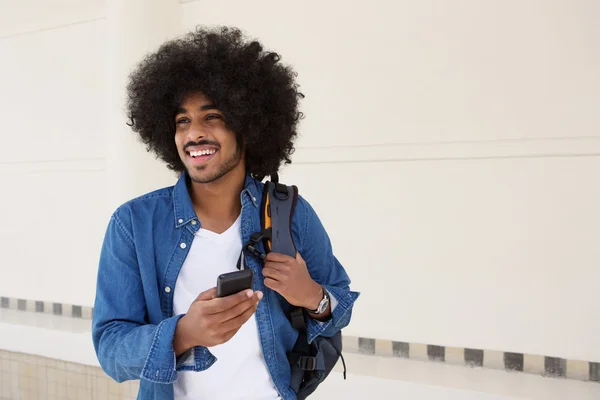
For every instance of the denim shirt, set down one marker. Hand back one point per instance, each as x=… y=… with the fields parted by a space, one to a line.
x=145 y=245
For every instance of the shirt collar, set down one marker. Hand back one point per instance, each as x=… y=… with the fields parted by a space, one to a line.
x=251 y=189
x=184 y=209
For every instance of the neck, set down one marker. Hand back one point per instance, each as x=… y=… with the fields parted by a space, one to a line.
x=218 y=203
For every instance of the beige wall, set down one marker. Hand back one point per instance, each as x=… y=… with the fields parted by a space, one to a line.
x=52 y=166
x=460 y=144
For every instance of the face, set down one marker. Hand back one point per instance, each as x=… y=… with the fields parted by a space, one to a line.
x=208 y=149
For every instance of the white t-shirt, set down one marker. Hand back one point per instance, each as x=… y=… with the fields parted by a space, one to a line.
x=240 y=370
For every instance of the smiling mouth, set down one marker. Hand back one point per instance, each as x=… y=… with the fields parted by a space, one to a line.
x=197 y=157
x=201 y=153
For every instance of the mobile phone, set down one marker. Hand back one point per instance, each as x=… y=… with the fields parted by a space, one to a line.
x=234 y=282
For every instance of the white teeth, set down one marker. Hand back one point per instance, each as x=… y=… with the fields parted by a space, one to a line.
x=202 y=152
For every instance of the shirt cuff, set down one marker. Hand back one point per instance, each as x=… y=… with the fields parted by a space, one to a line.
x=162 y=364
x=332 y=302
x=340 y=315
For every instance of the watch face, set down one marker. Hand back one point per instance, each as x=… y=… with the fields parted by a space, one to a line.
x=323 y=305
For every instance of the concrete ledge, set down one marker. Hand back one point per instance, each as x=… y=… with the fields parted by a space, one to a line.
x=57 y=337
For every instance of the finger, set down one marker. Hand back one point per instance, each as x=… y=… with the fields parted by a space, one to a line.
x=278 y=257
x=221 y=304
x=237 y=322
x=274 y=274
x=272 y=284
x=239 y=309
x=281 y=267
x=299 y=257
x=207 y=295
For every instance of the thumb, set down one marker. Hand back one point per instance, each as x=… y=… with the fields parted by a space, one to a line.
x=207 y=295
x=299 y=257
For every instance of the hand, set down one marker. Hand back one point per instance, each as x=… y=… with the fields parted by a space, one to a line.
x=290 y=278
x=211 y=321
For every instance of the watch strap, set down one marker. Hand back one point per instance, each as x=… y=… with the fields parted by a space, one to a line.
x=324 y=299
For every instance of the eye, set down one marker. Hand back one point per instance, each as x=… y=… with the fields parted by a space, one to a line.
x=210 y=117
x=183 y=120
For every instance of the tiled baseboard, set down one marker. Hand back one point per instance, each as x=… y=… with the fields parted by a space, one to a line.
x=67 y=310
x=518 y=362
x=534 y=364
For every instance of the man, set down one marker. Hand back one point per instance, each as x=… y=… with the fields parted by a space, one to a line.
x=222 y=113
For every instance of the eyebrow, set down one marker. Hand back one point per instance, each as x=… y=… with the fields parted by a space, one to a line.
x=205 y=107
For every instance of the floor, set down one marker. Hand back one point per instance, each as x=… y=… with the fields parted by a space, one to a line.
x=392 y=378
x=364 y=387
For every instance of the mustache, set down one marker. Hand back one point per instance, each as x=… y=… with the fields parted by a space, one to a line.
x=203 y=142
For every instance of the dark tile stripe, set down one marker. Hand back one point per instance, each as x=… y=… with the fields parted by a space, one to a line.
x=474 y=357
x=513 y=361
x=555 y=366
x=57 y=308
x=22 y=304
x=76 y=312
x=366 y=346
x=595 y=372
x=4 y=302
x=401 y=349
x=39 y=306
x=436 y=353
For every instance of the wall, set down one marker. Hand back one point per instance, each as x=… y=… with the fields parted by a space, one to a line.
x=463 y=142
x=452 y=154
x=52 y=152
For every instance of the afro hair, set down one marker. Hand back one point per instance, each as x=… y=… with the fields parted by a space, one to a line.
x=256 y=93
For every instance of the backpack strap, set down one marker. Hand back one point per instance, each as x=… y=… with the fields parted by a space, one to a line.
x=277 y=210
x=301 y=358
x=279 y=203
x=276 y=215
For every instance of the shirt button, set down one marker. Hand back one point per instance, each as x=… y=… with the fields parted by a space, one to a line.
x=167 y=289
x=193 y=222
x=180 y=221
x=183 y=245
x=157 y=373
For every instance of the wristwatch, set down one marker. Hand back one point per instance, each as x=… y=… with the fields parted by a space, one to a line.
x=322 y=304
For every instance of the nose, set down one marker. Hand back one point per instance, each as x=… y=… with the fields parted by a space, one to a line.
x=196 y=132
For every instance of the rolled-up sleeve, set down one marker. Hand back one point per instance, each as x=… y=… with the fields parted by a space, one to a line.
x=325 y=269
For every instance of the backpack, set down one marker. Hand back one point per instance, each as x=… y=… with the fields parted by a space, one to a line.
x=310 y=363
